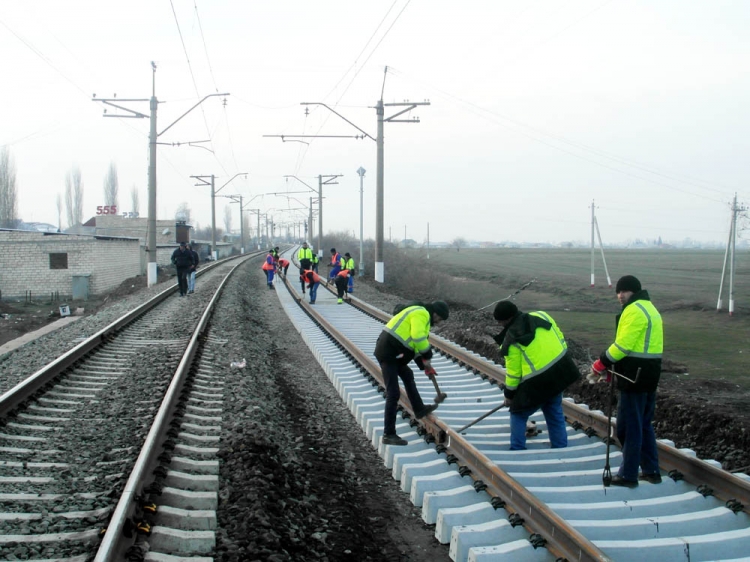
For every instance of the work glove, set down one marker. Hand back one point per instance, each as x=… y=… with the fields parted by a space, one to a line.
x=598 y=372
x=430 y=372
x=508 y=402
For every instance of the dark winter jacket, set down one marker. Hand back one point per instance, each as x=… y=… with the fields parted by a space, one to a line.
x=182 y=258
x=538 y=364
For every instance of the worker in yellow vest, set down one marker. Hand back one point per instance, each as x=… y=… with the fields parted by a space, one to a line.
x=404 y=338
x=538 y=368
x=636 y=357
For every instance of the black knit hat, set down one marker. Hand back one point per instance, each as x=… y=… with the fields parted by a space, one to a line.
x=441 y=309
x=505 y=310
x=333 y=250
x=628 y=283
x=348 y=255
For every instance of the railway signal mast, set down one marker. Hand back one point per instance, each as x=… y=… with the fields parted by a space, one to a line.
x=736 y=210
x=595 y=227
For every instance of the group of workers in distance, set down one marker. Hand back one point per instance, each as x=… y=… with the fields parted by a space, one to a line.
x=341 y=273
x=539 y=368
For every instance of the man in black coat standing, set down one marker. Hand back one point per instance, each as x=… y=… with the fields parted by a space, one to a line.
x=182 y=258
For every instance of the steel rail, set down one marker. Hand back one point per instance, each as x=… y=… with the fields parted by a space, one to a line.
x=114 y=542
x=561 y=539
x=724 y=485
x=27 y=388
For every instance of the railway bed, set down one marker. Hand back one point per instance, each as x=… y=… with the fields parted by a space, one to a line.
x=462 y=481
x=486 y=502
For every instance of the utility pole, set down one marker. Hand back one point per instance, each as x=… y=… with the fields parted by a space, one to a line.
x=381 y=118
x=428 y=240
x=238 y=199
x=152 y=141
x=309 y=225
x=361 y=171
x=204 y=181
x=595 y=227
x=730 y=251
x=329 y=180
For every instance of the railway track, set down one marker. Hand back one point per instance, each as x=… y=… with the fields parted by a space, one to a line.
x=158 y=502
x=490 y=503
x=81 y=437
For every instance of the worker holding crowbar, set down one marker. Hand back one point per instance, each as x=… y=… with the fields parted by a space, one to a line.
x=636 y=355
x=538 y=368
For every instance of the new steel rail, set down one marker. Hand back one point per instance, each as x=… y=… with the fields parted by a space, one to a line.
x=524 y=484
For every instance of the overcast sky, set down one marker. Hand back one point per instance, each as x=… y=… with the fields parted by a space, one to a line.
x=537 y=109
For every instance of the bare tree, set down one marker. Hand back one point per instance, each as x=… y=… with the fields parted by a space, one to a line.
x=8 y=191
x=111 y=185
x=59 y=205
x=135 y=202
x=74 y=196
x=182 y=213
x=458 y=243
x=228 y=218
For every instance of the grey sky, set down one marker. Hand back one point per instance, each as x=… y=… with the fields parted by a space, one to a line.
x=537 y=108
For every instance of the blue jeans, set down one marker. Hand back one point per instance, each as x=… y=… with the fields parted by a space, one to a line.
x=635 y=412
x=391 y=373
x=553 y=415
x=314 y=292
x=191 y=281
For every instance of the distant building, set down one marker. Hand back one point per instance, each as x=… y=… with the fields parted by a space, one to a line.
x=39 y=264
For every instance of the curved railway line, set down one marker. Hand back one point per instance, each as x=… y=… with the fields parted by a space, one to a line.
x=146 y=485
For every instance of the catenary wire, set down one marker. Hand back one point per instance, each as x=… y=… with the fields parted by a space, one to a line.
x=495 y=116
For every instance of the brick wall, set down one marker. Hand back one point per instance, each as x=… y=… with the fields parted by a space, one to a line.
x=25 y=263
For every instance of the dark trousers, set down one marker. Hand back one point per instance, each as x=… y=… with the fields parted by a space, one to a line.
x=635 y=412
x=182 y=273
x=391 y=373
x=341 y=283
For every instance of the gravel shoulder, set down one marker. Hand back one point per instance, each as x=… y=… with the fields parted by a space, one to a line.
x=302 y=481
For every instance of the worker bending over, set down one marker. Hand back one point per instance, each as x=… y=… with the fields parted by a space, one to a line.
x=538 y=368
x=404 y=338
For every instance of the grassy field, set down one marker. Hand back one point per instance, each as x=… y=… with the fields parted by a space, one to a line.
x=683 y=284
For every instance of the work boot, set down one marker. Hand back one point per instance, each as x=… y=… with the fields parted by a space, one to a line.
x=394 y=440
x=653 y=478
x=618 y=480
x=425 y=411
